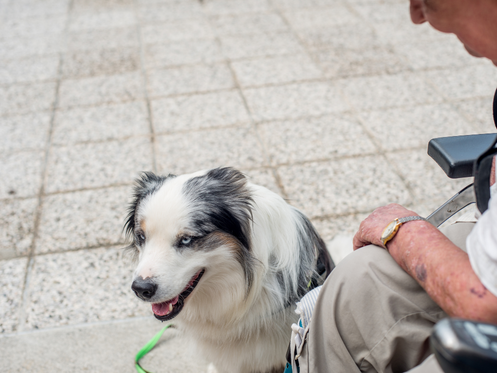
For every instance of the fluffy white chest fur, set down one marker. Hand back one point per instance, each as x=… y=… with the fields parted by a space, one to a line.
x=227 y=260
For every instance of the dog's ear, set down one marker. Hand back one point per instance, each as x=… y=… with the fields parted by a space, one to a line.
x=147 y=184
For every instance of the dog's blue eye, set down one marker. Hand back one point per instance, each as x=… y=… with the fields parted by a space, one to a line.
x=186 y=240
x=140 y=238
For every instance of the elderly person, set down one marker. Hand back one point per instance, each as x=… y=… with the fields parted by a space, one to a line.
x=376 y=310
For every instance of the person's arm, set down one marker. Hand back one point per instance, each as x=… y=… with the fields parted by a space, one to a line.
x=439 y=266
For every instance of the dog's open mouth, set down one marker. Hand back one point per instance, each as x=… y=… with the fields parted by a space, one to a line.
x=172 y=307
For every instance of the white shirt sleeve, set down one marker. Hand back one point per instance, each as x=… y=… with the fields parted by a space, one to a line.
x=482 y=246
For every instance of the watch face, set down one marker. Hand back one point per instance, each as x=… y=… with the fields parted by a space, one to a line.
x=389 y=231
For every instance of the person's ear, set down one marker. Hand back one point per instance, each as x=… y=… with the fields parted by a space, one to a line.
x=417 y=12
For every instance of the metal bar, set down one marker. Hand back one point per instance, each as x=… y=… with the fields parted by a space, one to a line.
x=459 y=201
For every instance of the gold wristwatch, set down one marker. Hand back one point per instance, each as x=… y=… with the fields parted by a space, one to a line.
x=391 y=229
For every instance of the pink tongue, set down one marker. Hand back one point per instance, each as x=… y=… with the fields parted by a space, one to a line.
x=164 y=308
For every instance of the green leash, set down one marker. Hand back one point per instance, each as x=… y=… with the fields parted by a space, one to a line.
x=146 y=349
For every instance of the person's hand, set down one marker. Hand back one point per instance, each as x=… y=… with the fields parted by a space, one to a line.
x=372 y=227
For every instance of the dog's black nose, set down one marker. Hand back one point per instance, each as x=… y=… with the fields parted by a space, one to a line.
x=144 y=289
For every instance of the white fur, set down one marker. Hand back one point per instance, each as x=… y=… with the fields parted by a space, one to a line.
x=238 y=332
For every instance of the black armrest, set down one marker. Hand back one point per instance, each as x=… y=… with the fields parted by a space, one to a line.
x=457 y=154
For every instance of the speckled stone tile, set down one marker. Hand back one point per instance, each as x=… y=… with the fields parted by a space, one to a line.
x=16 y=227
x=20 y=173
x=264 y=177
x=294 y=101
x=102 y=19
x=344 y=62
x=22 y=98
x=324 y=138
x=425 y=178
x=276 y=70
x=12 y=274
x=271 y=44
x=32 y=8
x=100 y=90
x=78 y=220
x=21 y=28
x=298 y=4
x=235 y=147
x=96 y=62
x=93 y=165
x=355 y=36
x=479 y=112
x=375 y=92
x=411 y=127
x=81 y=287
x=123 y=37
x=35 y=46
x=191 y=79
x=169 y=12
x=342 y=187
x=348 y=225
x=188 y=29
x=99 y=123
x=336 y=15
x=187 y=52
x=184 y=113
x=466 y=82
x=248 y=24
x=384 y=11
x=100 y=5
x=399 y=30
x=236 y=6
x=29 y=70
x=28 y=131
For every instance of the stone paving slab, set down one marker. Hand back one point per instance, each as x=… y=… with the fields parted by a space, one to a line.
x=329 y=103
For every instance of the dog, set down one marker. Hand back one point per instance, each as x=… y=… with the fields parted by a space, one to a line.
x=227 y=260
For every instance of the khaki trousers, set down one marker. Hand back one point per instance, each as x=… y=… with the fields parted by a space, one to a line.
x=371 y=316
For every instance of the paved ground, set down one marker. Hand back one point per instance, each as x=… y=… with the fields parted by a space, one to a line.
x=328 y=102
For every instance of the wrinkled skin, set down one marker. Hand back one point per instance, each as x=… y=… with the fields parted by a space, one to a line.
x=440 y=267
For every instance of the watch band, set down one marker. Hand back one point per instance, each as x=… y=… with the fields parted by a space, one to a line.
x=391 y=229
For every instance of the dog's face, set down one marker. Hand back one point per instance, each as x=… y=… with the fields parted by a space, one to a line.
x=184 y=228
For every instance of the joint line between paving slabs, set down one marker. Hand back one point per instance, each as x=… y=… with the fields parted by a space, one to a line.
x=31 y=254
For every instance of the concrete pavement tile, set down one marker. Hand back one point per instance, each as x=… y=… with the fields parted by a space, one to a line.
x=465 y=82
x=94 y=165
x=124 y=37
x=182 y=113
x=31 y=47
x=298 y=4
x=100 y=123
x=355 y=36
x=342 y=187
x=276 y=70
x=411 y=127
x=321 y=17
x=264 y=177
x=186 y=52
x=157 y=33
x=235 y=147
x=169 y=11
x=22 y=98
x=80 y=287
x=93 y=20
x=100 y=90
x=100 y=5
x=190 y=79
x=236 y=6
x=17 y=227
x=425 y=178
x=294 y=101
x=21 y=173
x=339 y=63
x=385 y=11
x=12 y=274
x=33 y=26
x=348 y=225
x=248 y=24
x=95 y=62
x=399 y=30
x=479 y=112
x=104 y=347
x=78 y=220
x=435 y=54
x=29 y=131
x=271 y=44
x=29 y=70
x=33 y=8
x=366 y=93
x=312 y=139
